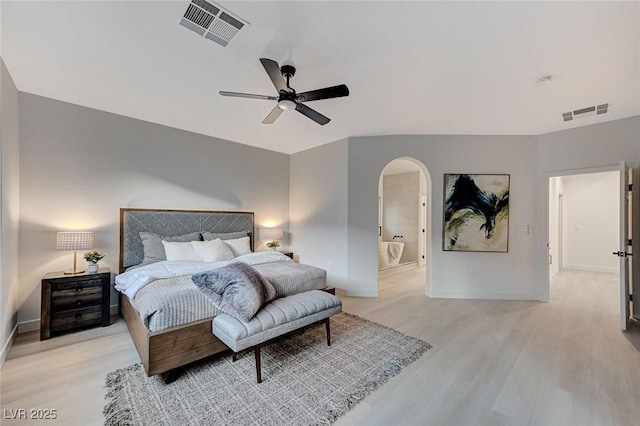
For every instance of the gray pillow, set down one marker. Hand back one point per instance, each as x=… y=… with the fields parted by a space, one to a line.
x=236 y=289
x=152 y=248
x=208 y=236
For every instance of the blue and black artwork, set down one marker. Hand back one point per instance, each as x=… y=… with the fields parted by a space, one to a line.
x=476 y=212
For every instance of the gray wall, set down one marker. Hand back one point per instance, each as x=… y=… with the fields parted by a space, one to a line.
x=79 y=166
x=574 y=151
x=400 y=199
x=522 y=273
x=9 y=208
x=318 y=209
x=452 y=274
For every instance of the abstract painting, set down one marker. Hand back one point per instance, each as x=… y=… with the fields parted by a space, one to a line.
x=476 y=212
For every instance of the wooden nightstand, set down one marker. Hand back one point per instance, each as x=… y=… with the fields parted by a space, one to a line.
x=74 y=301
x=287 y=253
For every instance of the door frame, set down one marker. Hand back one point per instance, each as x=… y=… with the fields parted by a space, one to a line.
x=425 y=178
x=562 y=173
x=603 y=169
x=560 y=236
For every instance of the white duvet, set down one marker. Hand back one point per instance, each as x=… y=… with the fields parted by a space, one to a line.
x=132 y=281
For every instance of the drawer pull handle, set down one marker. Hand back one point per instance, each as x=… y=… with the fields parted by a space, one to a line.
x=78 y=316
x=78 y=302
x=78 y=289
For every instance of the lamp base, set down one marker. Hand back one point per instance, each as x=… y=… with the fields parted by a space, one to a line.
x=74 y=271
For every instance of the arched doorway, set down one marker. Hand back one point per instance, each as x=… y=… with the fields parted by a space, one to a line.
x=404 y=222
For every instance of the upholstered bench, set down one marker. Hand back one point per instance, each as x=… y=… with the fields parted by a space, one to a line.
x=275 y=319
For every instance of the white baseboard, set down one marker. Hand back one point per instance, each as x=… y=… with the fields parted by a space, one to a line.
x=31 y=325
x=592 y=268
x=452 y=294
x=8 y=344
x=357 y=293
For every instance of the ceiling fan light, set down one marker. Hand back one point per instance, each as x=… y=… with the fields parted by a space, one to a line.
x=286 y=105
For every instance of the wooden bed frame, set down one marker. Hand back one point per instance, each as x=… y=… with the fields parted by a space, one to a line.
x=165 y=350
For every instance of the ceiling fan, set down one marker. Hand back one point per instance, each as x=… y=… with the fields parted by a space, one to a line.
x=287 y=97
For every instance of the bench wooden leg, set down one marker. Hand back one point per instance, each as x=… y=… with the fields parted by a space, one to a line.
x=234 y=358
x=328 y=332
x=258 y=368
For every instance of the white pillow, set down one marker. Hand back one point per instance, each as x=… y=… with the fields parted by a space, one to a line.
x=180 y=251
x=239 y=246
x=212 y=250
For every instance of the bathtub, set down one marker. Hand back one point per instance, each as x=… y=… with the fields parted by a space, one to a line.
x=389 y=253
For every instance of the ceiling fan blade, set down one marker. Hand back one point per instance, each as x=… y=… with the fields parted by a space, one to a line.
x=248 y=95
x=326 y=93
x=273 y=115
x=312 y=114
x=273 y=69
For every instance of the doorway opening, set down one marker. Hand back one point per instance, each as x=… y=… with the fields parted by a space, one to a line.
x=584 y=222
x=404 y=226
x=584 y=230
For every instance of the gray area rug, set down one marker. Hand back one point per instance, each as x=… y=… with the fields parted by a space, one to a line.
x=305 y=382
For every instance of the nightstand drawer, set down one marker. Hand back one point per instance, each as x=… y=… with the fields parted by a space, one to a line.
x=75 y=318
x=78 y=301
x=75 y=291
x=75 y=285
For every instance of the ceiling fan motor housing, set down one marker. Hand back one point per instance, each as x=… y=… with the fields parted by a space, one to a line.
x=288 y=71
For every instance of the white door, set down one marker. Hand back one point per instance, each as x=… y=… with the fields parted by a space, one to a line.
x=634 y=232
x=629 y=241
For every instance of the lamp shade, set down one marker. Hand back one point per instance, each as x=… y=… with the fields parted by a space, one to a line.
x=275 y=233
x=74 y=240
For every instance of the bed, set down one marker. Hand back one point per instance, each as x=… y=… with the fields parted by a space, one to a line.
x=182 y=334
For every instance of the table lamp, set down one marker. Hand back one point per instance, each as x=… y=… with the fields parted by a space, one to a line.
x=74 y=240
x=274 y=234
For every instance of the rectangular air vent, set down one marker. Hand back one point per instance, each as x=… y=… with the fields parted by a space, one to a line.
x=212 y=21
x=602 y=109
x=585 y=112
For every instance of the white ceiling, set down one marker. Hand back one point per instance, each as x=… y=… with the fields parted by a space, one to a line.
x=411 y=67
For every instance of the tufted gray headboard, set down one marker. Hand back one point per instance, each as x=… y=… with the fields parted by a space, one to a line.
x=174 y=222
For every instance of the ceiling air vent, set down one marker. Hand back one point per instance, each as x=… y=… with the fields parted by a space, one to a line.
x=212 y=21
x=602 y=109
x=585 y=112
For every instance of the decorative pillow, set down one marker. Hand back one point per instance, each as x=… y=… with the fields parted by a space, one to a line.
x=207 y=236
x=239 y=246
x=153 y=249
x=236 y=289
x=212 y=251
x=180 y=251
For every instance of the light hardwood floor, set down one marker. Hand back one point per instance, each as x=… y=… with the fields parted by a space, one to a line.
x=493 y=362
